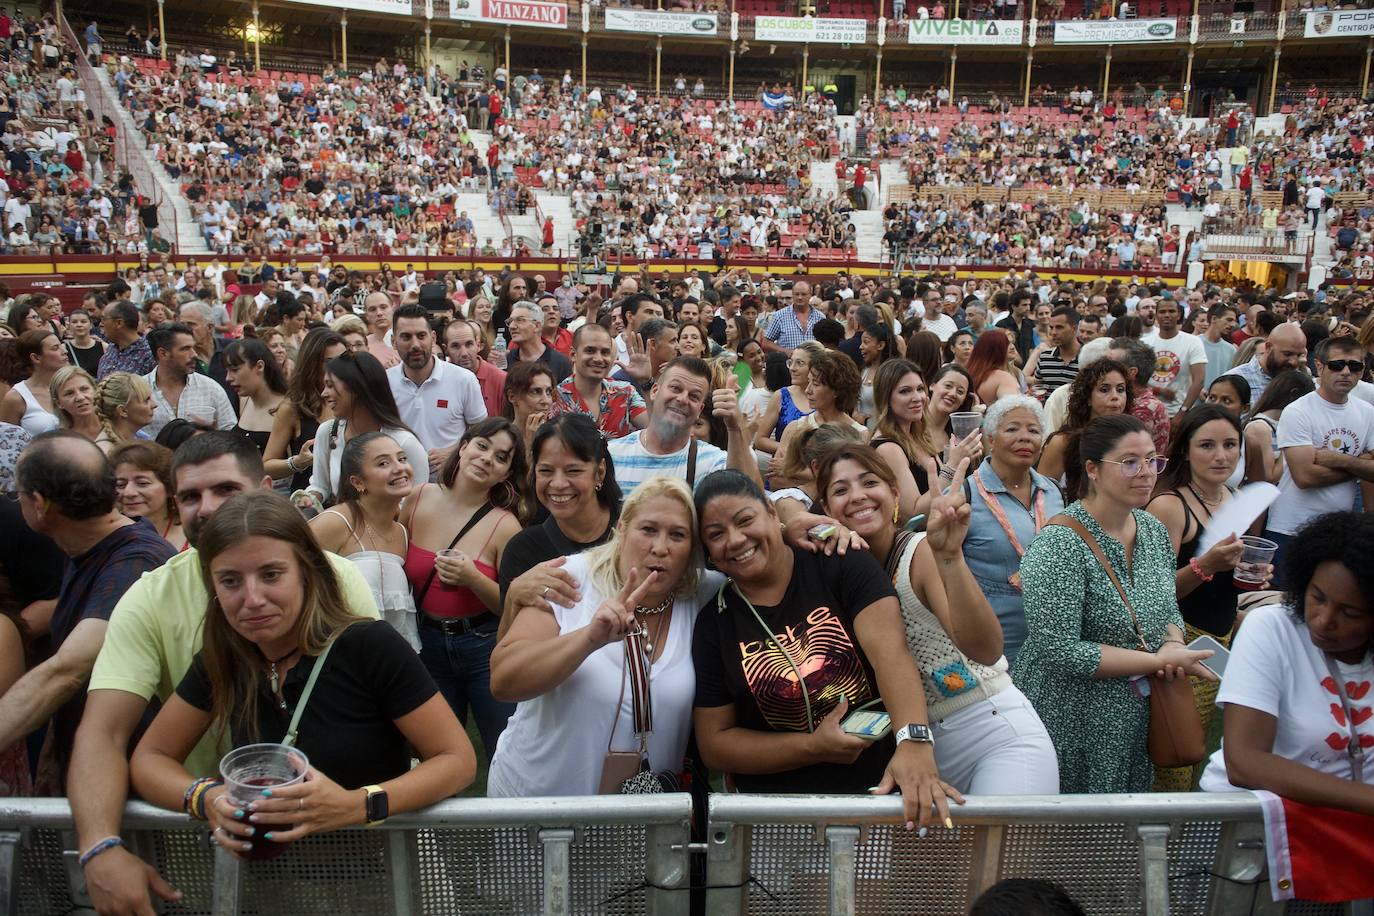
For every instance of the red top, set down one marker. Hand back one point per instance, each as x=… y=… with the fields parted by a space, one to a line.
x=446 y=600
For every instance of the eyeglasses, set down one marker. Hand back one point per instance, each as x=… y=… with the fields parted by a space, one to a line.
x=1132 y=467
x=1340 y=365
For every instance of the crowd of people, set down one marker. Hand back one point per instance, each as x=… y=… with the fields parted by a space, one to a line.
x=60 y=189
x=748 y=508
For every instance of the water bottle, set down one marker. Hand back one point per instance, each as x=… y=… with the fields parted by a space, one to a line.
x=498 y=352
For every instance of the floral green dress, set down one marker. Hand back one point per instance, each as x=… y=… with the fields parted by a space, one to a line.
x=1098 y=725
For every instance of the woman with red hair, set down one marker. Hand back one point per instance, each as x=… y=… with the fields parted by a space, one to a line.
x=990 y=366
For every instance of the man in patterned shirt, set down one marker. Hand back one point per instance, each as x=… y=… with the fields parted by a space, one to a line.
x=788 y=328
x=616 y=407
x=179 y=391
x=127 y=350
x=67 y=492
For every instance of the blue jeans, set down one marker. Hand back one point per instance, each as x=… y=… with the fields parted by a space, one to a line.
x=461 y=668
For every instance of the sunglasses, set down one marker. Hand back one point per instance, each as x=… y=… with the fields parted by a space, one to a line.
x=1340 y=365
x=1133 y=467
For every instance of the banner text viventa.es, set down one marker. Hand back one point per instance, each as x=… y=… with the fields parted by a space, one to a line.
x=811 y=31
x=1115 y=31
x=655 y=22
x=965 y=31
x=512 y=12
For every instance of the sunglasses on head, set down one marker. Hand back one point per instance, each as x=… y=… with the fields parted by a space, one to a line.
x=1340 y=365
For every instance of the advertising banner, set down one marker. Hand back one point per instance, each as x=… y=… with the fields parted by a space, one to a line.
x=538 y=13
x=654 y=22
x=811 y=31
x=1115 y=31
x=1339 y=24
x=965 y=31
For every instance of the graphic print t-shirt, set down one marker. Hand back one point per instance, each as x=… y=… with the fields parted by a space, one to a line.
x=738 y=664
x=1312 y=420
x=1174 y=359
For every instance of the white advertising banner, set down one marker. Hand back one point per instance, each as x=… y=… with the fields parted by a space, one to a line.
x=511 y=12
x=1115 y=31
x=965 y=31
x=396 y=7
x=1339 y=24
x=653 y=22
x=811 y=31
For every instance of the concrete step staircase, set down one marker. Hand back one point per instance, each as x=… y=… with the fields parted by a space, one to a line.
x=868 y=230
x=189 y=239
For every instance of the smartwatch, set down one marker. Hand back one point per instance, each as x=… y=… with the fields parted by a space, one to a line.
x=915 y=732
x=375 y=807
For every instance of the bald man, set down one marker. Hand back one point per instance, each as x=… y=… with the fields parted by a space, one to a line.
x=1285 y=348
x=377 y=314
x=789 y=328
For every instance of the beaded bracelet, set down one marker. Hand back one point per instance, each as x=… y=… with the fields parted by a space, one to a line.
x=110 y=842
x=193 y=802
x=1198 y=571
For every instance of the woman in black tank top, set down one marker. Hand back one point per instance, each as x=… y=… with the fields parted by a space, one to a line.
x=1203 y=454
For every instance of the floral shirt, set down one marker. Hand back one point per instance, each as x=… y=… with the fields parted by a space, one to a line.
x=620 y=405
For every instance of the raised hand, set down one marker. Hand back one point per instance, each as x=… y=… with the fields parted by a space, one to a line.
x=615 y=617
x=725 y=404
x=948 y=521
x=637 y=364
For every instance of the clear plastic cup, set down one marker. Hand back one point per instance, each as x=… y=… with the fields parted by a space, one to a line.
x=249 y=769
x=961 y=424
x=1255 y=564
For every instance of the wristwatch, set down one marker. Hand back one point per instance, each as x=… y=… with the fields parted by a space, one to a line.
x=376 y=808
x=915 y=732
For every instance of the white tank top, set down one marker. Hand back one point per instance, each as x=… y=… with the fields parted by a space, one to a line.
x=36 y=419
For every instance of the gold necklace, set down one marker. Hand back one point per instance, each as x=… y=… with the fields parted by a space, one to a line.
x=656 y=609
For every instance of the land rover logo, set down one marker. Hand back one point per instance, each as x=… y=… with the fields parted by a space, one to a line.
x=1162 y=28
x=703 y=24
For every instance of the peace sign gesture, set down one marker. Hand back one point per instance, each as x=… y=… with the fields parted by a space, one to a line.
x=615 y=617
x=949 y=516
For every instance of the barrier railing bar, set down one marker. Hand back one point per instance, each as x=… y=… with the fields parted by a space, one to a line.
x=987 y=858
x=227 y=892
x=672 y=808
x=988 y=810
x=1154 y=867
x=1241 y=863
x=403 y=883
x=9 y=872
x=727 y=867
x=557 y=846
x=843 y=842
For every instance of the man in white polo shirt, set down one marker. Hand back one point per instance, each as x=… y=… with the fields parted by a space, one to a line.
x=437 y=400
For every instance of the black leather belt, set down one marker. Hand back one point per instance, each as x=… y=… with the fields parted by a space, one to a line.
x=456 y=626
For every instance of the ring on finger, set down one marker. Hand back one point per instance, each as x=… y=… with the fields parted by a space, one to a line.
x=545 y=592
x=300 y=804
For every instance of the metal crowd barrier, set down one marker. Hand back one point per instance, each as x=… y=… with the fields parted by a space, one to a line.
x=1118 y=855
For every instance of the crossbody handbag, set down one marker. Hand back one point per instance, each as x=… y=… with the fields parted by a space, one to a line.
x=629 y=772
x=1175 y=737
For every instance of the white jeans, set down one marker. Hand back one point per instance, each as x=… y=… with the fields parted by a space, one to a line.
x=997 y=746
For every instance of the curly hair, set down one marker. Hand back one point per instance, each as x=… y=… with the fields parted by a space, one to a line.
x=837 y=372
x=1337 y=537
x=1080 y=409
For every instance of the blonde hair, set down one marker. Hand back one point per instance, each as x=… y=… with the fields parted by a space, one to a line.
x=245 y=310
x=603 y=563
x=114 y=391
x=349 y=324
x=812 y=444
x=61 y=377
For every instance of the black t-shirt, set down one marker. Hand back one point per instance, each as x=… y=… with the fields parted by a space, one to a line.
x=815 y=623
x=535 y=545
x=558 y=364
x=33 y=563
x=371 y=678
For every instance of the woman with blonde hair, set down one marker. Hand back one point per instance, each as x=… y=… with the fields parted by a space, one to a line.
x=566 y=666
x=353 y=331
x=245 y=313
x=480 y=310
x=366 y=689
x=73 y=396
x=124 y=405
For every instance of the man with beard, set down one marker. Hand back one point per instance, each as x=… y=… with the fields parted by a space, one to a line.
x=614 y=406
x=1285 y=348
x=666 y=446
x=1327 y=439
x=437 y=400
x=153 y=634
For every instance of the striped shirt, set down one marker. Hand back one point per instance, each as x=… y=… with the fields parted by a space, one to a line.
x=1053 y=372
x=634 y=464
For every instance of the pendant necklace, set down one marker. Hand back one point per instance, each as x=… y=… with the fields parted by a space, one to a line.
x=273 y=680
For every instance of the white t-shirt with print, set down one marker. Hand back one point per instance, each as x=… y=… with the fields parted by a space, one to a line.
x=1174 y=359
x=1274 y=668
x=1313 y=420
